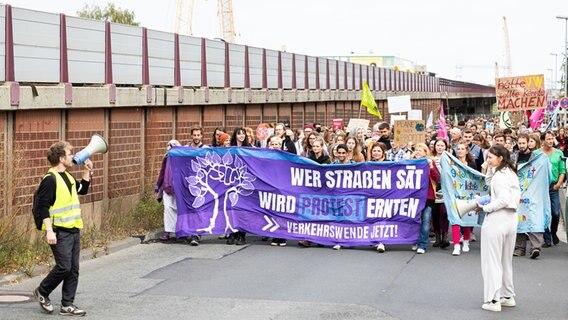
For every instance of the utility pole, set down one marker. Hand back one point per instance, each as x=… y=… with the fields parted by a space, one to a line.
x=555 y=70
x=565 y=54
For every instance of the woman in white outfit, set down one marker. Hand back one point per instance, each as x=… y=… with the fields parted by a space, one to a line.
x=499 y=230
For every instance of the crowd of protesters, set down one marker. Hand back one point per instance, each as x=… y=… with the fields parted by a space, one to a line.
x=469 y=141
x=475 y=143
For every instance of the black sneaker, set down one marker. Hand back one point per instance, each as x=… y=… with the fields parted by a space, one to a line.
x=555 y=239
x=535 y=253
x=44 y=302
x=546 y=245
x=194 y=241
x=72 y=310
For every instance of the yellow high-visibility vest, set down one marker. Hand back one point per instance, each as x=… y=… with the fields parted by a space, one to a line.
x=66 y=210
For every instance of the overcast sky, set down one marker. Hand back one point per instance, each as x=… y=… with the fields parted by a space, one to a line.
x=456 y=39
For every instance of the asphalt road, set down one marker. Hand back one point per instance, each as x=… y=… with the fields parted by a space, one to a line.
x=216 y=281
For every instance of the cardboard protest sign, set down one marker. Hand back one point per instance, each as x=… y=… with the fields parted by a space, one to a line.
x=520 y=93
x=409 y=130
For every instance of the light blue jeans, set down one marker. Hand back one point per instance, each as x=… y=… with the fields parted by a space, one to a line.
x=425 y=225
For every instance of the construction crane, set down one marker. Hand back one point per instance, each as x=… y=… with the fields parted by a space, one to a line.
x=184 y=18
x=226 y=23
x=508 y=66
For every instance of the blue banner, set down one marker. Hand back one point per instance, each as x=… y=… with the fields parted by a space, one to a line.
x=460 y=182
x=277 y=194
x=534 y=208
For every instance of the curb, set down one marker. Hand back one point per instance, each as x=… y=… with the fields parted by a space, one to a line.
x=86 y=254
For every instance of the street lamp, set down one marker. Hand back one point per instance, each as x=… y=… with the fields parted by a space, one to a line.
x=555 y=70
x=565 y=54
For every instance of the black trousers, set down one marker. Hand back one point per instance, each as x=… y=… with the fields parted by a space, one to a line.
x=66 y=270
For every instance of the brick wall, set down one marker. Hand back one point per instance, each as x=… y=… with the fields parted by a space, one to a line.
x=81 y=125
x=159 y=130
x=254 y=116
x=270 y=113
x=285 y=113
x=234 y=117
x=297 y=115
x=35 y=132
x=187 y=116
x=212 y=118
x=125 y=152
x=310 y=112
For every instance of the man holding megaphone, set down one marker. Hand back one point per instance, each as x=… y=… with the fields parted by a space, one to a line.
x=58 y=205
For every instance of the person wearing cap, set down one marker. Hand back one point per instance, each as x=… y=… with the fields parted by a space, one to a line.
x=164 y=191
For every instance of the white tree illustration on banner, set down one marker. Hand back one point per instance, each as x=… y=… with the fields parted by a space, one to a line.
x=228 y=171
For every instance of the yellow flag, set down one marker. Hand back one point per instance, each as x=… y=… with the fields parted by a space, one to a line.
x=369 y=102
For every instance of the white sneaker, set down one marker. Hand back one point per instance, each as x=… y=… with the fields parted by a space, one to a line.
x=508 y=302
x=456 y=250
x=490 y=306
x=420 y=251
x=465 y=247
x=336 y=247
x=381 y=248
x=414 y=247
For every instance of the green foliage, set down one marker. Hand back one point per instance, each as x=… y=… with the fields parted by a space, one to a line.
x=109 y=13
x=20 y=252
x=147 y=215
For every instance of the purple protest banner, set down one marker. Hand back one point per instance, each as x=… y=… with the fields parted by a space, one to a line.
x=278 y=194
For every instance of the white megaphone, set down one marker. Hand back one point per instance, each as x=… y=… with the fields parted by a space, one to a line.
x=97 y=144
x=465 y=206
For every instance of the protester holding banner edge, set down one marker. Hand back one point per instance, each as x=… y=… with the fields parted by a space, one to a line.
x=499 y=230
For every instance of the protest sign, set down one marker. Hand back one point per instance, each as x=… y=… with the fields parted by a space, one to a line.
x=337 y=124
x=415 y=115
x=399 y=104
x=409 y=131
x=520 y=93
x=355 y=124
x=396 y=117
x=278 y=194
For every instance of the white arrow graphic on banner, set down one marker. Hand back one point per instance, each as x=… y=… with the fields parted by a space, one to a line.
x=271 y=223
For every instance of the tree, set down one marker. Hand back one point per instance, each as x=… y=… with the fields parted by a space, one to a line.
x=109 y=13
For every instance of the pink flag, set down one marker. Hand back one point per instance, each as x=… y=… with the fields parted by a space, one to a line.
x=442 y=129
x=536 y=118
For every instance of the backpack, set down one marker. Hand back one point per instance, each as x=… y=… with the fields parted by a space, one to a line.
x=35 y=212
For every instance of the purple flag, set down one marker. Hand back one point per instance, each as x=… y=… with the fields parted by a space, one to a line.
x=278 y=194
